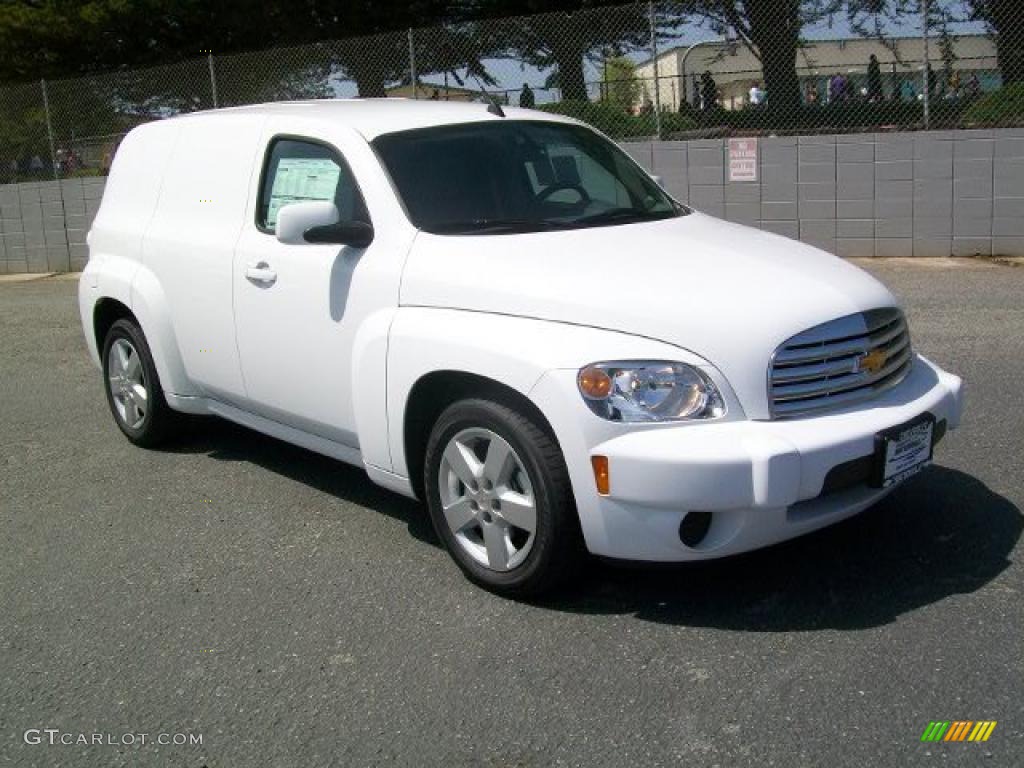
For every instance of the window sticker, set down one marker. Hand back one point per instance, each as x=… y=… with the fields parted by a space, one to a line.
x=299 y=179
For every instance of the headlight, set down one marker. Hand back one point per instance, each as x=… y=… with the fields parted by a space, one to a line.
x=649 y=391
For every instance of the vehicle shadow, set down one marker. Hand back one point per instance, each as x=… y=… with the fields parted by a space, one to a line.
x=225 y=441
x=943 y=533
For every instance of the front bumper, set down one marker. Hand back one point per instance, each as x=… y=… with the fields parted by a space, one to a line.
x=763 y=480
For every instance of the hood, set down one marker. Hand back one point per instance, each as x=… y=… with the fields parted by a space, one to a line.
x=728 y=293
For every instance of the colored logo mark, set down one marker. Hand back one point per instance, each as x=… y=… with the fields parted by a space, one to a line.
x=958 y=730
x=873 y=362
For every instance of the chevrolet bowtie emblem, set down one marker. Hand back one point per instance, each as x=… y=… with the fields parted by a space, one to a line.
x=873 y=361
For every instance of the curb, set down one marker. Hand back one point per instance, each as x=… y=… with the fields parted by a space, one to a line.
x=35 y=277
x=26 y=277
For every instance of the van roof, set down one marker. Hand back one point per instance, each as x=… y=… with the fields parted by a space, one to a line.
x=374 y=117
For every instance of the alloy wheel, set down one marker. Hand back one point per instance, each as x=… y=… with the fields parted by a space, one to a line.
x=127 y=381
x=487 y=499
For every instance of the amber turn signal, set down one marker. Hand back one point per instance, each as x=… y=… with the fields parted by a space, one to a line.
x=594 y=383
x=601 y=478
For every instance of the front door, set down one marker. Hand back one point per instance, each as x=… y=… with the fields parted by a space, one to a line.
x=294 y=310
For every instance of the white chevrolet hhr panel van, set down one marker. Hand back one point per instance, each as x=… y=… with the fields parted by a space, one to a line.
x=502 y=315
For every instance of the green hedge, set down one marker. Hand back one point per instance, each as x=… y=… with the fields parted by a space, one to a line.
x=840 y=116
x=998 y=108
x=618 y=123
x=1002 y=107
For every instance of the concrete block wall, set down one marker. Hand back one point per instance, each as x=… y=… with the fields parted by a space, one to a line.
x=43 y=224
x=931 y=193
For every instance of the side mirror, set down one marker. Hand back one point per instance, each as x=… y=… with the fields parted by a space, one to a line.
x=358 y=234
x=295 y=219
x=318 y=222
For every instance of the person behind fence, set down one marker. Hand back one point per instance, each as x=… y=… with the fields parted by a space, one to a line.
x=36 y=164
x=812 y=93
x=837 y=87
x=874 y=79
x=953 y=85
x=756 y=95
x=708 y=91
x=526 y=99
x=973 y=87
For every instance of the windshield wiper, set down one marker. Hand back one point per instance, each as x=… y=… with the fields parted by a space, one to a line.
x=620 y=215
x=493 y=226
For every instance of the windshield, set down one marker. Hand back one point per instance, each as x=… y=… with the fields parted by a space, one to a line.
x=517 y=176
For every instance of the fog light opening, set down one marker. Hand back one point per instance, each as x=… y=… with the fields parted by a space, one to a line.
x=694 y=527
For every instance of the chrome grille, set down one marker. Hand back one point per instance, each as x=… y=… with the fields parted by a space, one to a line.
x=832 y=364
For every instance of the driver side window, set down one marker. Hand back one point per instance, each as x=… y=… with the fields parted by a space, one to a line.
x=299 y=170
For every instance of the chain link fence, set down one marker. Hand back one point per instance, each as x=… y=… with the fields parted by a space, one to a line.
x=669 y=70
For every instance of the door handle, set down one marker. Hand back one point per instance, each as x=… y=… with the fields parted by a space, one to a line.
x=260 y=273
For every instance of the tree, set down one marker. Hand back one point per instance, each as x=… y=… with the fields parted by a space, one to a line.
x=62 y=38
x=120 y=39
x=58 y=39
x=457 y=50
x=1004 y=20
x=771 y=31
x=948 y=55
x=22 y=128
x=619 y=84
x=1002 y=17
x=51 y=38
x=572 y=34
x=145 y=59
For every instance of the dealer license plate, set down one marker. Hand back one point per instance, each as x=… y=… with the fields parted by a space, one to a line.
x=903 y=451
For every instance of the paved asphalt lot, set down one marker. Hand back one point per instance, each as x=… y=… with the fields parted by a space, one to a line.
x=294 y=615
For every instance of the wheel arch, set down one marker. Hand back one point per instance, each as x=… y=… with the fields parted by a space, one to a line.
x=105 y=312
x=153 y=312
x=112 y=288
x=433 y=392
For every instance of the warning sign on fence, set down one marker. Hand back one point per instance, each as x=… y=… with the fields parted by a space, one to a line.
x=742 y=159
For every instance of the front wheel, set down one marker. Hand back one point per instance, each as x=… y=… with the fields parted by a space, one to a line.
x=499 y=498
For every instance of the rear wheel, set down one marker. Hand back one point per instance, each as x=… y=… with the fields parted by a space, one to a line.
x=500 y=499
x=133 y=389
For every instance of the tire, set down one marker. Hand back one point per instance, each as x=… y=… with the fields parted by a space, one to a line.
x=488 y=518
x=128 y=374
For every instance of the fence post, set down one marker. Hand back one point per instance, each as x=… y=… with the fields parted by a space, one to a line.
x=53 y=166
x=412 y=66
x=654 y=58
x=49 y=129
x=213 y=79
x=926 y=77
